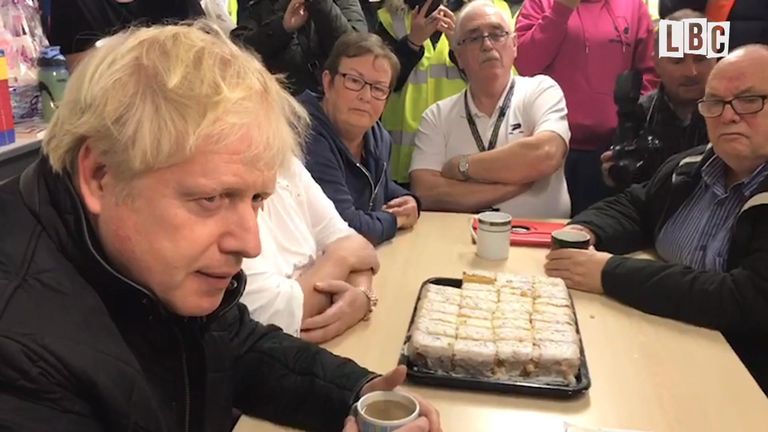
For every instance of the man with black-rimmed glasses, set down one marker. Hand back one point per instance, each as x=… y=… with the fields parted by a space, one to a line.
x=705 y=212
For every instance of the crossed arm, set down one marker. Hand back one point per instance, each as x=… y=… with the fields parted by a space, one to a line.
x=495 y=176
x=351 y=258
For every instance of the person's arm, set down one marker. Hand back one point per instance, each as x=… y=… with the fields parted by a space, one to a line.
x=436 y=192
x=532 y=158
x=28 y=413
x=643 y=58
x=540 y=34
x=732 y=301
x=333 y=18
x=619 y=223
x=265 y=35
x=38 y=390
x=276 y=299
x=408 y=55
x=327 y=170
x=625 y=222
x=523 y=161
x=340 y=258
x=443 y=194
x=288 y=381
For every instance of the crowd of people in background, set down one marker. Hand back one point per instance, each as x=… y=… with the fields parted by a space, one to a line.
x=379 y=113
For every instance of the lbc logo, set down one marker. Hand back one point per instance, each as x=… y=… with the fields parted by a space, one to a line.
x=693 y=36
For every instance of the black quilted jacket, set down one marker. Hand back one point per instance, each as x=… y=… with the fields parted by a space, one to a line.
x=84 y=349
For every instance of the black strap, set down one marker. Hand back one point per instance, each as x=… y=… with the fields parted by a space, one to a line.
x=499 y=120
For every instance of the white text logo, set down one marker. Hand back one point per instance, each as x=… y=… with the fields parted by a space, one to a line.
x=693 y=36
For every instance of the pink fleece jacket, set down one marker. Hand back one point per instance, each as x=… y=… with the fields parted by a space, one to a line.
x=584 y=50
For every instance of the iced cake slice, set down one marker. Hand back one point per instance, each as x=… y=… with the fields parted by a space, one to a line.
x=490 y=296
x=474 y=322
x=478 y=276
x=511 y=333
x=556 y=360
x=514 y=356
x=475 y=313
x=476 y=303
x=475 y=333
x=430 y=351
x=469 y=286
x=437 y=306
x=474 y=358
x=437 y=328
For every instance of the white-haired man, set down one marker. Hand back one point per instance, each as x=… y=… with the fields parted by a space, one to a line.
x=706 y=213
x=500 y=143
x=120 y=259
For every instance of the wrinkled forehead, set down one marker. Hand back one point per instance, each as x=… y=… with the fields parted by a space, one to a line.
x=736 y=79
x=483 y=19
x=214 y=168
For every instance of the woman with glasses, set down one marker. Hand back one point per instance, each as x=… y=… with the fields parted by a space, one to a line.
x=348 y=151
x=584 y=45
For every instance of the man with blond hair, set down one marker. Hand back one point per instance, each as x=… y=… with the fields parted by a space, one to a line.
x=121 y=252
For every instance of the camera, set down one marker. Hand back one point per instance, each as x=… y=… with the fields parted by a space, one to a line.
x=635 y=149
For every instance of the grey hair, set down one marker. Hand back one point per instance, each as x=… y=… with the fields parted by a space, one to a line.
x=471 y=6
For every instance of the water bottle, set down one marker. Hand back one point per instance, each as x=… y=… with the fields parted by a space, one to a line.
x=53 y=76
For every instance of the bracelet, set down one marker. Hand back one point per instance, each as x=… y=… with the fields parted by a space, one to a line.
x=373 y=301
x=413 y=45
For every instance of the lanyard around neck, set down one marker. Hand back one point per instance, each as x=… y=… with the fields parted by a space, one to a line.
x=499 y=120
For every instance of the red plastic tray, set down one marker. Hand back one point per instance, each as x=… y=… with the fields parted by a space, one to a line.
x=527 y=232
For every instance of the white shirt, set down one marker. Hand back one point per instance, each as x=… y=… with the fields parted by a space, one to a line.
x=537 y=105
x=296 y=224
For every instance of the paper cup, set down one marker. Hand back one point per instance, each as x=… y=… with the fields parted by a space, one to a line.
x=368 y=419
x=570 y=239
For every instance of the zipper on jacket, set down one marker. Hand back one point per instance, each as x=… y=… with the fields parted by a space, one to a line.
x=370 y=182
x=185 y=370
x=376 y=189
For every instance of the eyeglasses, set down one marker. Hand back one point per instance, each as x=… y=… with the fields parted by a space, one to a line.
x=356 y=83
x=740 y=105
x=495 y=37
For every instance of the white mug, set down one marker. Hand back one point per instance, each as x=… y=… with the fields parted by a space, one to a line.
x=493 y=235
x=368 y=423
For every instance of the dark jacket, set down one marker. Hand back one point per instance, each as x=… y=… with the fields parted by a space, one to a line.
x=359 y=190
x=661 y=121
x=302 y=54
x=83 y=348
x=749 y=18
x=76 y=25
x=734 y=302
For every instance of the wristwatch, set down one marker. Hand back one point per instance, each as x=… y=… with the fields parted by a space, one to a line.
x=464 y=167
x=373 y=301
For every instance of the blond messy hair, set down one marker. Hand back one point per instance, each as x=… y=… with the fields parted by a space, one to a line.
x=148 y=98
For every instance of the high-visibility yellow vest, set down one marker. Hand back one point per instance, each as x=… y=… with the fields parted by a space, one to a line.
x=433 y=79
x=232 y=9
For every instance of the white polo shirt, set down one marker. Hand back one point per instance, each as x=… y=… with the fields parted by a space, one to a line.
x=296 y=224
x=537 y=105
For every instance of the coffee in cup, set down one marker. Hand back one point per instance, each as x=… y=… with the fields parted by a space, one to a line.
x=385 y=411
x=570 y=239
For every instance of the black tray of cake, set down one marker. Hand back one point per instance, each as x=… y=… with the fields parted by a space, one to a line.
x=496 y=332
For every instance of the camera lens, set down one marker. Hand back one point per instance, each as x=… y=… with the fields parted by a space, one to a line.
x=622 y=172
